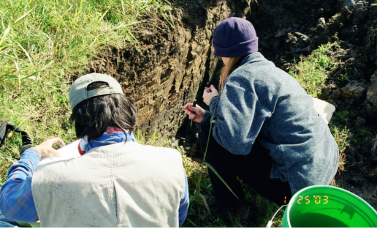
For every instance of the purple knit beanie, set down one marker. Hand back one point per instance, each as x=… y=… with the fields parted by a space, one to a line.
x=235 y=37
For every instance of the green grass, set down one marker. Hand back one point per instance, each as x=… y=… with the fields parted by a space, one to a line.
x=311 y=71
x=34 y=33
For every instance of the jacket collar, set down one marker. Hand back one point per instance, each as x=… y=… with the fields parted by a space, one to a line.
x=253 y=57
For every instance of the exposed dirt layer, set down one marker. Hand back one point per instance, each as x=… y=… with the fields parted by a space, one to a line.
x=172 y=62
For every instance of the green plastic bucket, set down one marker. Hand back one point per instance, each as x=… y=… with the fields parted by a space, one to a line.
x=327 y=206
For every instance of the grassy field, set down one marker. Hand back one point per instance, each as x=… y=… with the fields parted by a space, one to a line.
x=41 y=42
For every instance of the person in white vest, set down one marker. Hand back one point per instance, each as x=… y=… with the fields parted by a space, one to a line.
x=115 y=181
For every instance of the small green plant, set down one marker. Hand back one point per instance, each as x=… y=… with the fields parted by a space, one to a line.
x=166 y=14
x=345 y=77
x=251 y=1
x=341 y=137
x=153 y=139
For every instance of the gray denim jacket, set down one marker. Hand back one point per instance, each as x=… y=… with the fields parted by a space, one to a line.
x=261 y=100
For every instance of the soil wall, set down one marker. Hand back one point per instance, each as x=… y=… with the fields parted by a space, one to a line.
x=168 y=65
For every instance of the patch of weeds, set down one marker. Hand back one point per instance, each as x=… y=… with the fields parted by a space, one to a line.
x=312 y=71
x=197 y=211
x=346 y=135
x=166 y=14
x=342 y=138
x=340 y=117
x=345 y=77
x=145 y=140
x=342 y=135
x=358 y=134
x=190 y=165
x=152 y=140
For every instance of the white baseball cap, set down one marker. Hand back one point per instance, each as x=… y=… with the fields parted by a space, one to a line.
x=79 y=92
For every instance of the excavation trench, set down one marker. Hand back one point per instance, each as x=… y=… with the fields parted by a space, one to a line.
x=172 y=62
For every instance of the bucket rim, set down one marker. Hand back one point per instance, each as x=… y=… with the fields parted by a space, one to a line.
x=291 y=202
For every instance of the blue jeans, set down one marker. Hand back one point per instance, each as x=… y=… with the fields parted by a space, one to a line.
x=253 y=169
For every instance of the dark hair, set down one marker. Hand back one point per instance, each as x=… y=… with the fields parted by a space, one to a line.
x=93 y=116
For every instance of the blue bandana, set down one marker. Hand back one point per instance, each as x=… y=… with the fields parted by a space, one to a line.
x=111 y=136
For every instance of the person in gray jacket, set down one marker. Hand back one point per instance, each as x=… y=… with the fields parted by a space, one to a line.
x=265 y=130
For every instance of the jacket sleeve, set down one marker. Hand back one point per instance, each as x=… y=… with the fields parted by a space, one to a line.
x=239 y=115
x=184 y=203
x=16 y=200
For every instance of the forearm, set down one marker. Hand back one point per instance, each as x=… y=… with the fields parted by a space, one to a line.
x=16 y=201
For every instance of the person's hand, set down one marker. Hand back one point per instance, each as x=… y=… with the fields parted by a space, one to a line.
x=209 y=93
x=46 y=148
x=196 y=113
